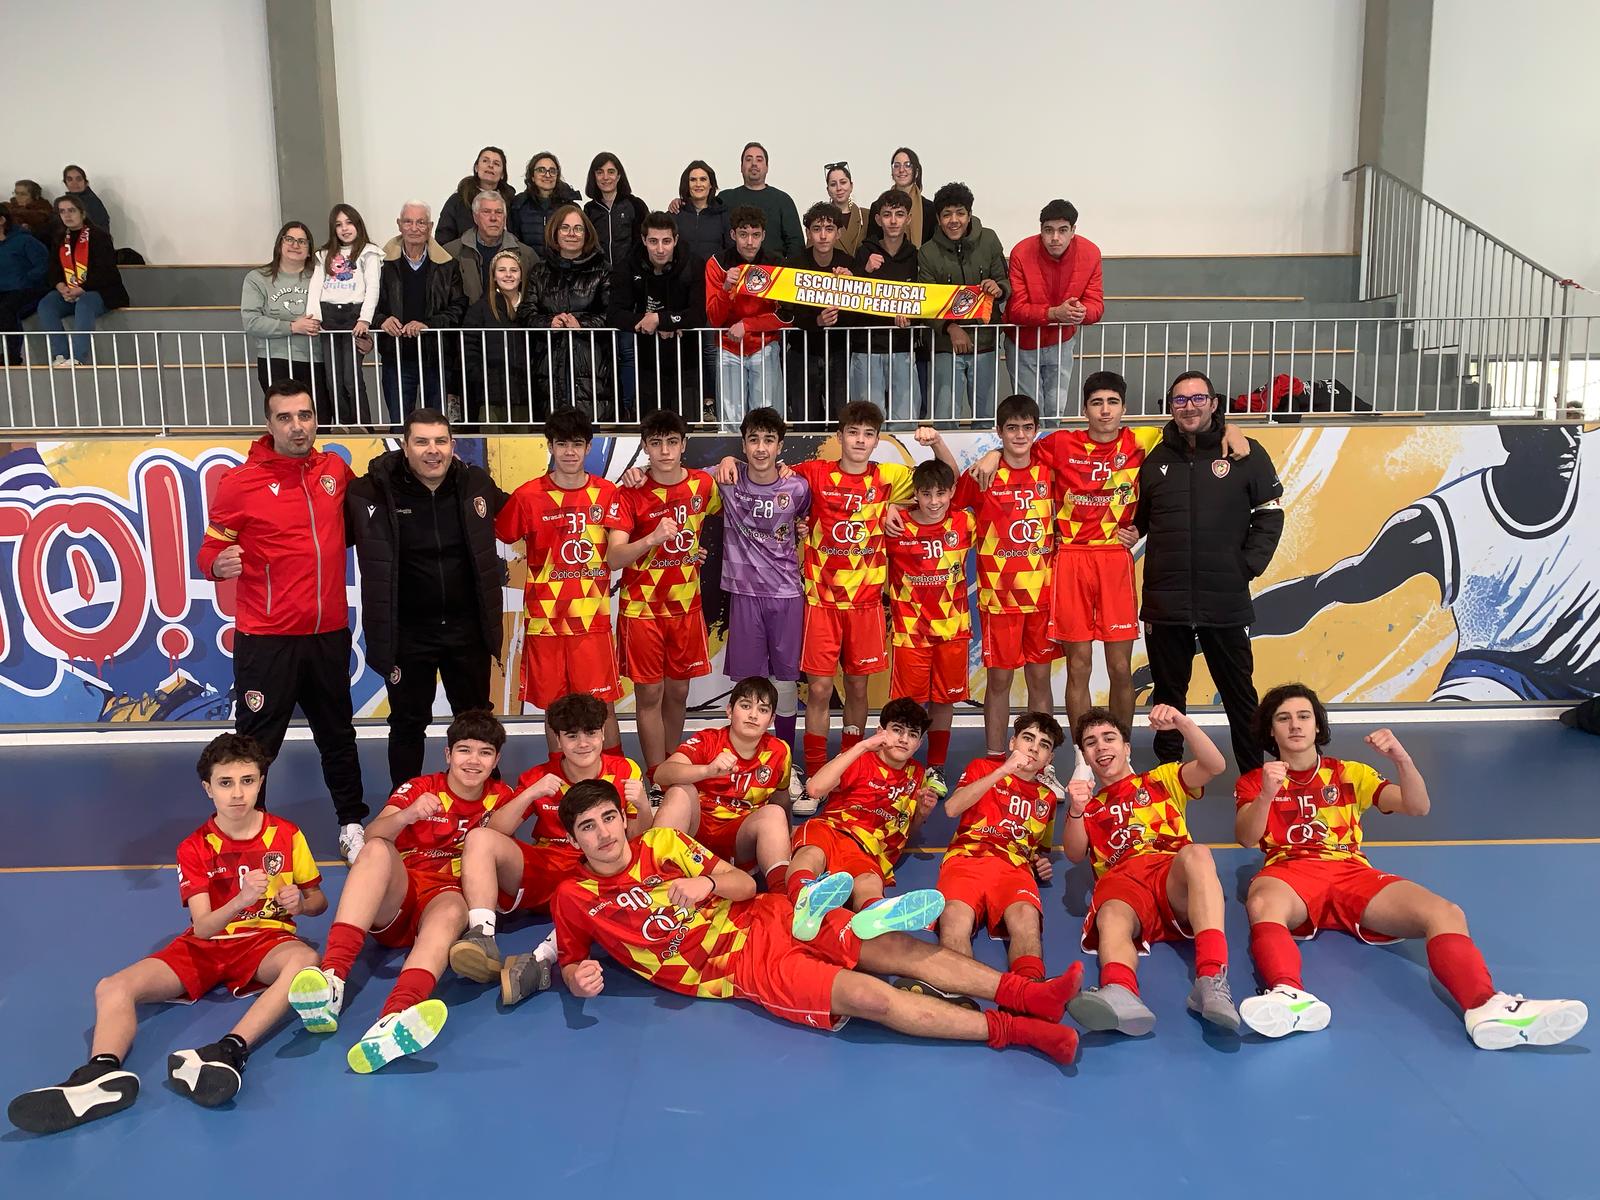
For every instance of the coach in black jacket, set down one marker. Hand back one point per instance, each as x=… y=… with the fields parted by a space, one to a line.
x=422 y=523
x=1211 y=525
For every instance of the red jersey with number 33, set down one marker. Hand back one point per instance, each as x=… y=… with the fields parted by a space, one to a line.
x=432 y=846
x=563 y=532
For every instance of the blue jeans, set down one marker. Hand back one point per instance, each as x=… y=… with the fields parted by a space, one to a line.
x=85 y=312
x=1043 y=374
x=748 y=381
x=889 y=382
x=405 y=372
x=964 y=385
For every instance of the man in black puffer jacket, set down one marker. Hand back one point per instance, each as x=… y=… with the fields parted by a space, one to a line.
x=658 y=293
x=422 y=523
x=1211 y=525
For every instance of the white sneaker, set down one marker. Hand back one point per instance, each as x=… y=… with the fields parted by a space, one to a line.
x=316 y=997
x=61 y=360
x=351 y=838
x=800 y=802
x=1504 y=1021
x=1051 y=780
x=397 y=1035
x=1282 y=1009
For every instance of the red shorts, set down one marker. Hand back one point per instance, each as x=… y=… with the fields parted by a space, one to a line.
x=231 y=962
x=543 y=868
x=1011 y=640
x=988 y=884
x=422 y=889
x=1335 y=895
x=843 y=638
x=650 y=649
x=555 y=664
x=1092 y=595
x=1141 y=883
x=720 y=835
x=843 y=852
x=930 y=674
x=790 y=979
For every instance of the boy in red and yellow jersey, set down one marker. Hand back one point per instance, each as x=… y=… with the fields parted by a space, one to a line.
x=932 y=628
x=1152 y=884
x=500 y=873
x=726 y=787
x=405 y=890
x=1304 y=810
x=669 y=911
x=245 y=875
x=657 y=546
x=563 y=519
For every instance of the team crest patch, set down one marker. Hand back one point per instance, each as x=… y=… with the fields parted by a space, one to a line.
x=869 y=495
x=328 y=485
x=965 y=301
x=254 y=700
x=763 y=774
x=272 y=862
x=1119 y=462
x=1041 y=809
x=1142 y=797
x=951 y=538
x=1330 y=794
x=783 y=500
x=480 y=506
x=595 y=515
x=394 y=675
x=756 y=280
x=1221 y=467
x=1041 y=490
x=696 y=503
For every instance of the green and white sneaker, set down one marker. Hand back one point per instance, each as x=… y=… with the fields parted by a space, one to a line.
x=1283 y=1010
x=1504 y=1021
x=816 y=900
x=934 y=782
x=316 y=997
x=397 y=1035
x=909 y=912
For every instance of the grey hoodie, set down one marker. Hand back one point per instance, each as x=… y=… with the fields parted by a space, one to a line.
x=267 y=306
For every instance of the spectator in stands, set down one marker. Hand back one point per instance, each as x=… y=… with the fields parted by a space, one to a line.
x=961 y=250
x=1055 y=287
x=488 y=175
x=783 y=219
x=615 y=212
x=342 y=298
x=77 y=183
x=881 y=352
x=546 y=190
x=83 y=273
x=701 y=214
x=852 y=221
x=570 y=289
x=817 y=360
x=32 y=211
x=419 y=289
x=272 y=305
x=905 y=175
x=656 y=293
x=476 y=248
x=750 y=371
x=498 y=363
x=24 y=274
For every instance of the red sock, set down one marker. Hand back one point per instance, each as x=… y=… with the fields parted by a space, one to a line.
x=1455 y=961
x=1276 y=956
x=816 y=753
x=344 y=943
x=938 y=747
x=615 y=751
x=775 y=876
x=848 y=738
x=413 y=987
x=795 y=880
x=1043 y=998
x=1115 y=972
x=1210 y=952
x=1029 y=966
x=1060 y=1042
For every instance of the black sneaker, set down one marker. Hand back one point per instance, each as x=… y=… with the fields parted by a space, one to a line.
x=94 y=1090
x=210 y=1075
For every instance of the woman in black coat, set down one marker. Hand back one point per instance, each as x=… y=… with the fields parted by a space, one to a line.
x=702 y=218
x=488 y=175
x=498 y=364
x=84 y=280
x=546 y=191
x=568 y=292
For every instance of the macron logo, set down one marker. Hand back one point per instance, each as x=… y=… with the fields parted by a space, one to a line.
x=1163 y=468
x=273 y=488
x=371 y=508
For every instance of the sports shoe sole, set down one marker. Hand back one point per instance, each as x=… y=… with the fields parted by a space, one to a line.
x=1549 y=1028
x=1276 y=1017
x=1223 y=1018
x=817 y=899
x=413 y=1032
x=906 y=913
x=1097 y=1015
x=508 y=991
x=208 y=1084
x=311 y=997
x=920 y=987
x=53 y=1109
x=470 y=961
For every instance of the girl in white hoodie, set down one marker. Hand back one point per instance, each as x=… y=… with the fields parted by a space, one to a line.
x=343 y=294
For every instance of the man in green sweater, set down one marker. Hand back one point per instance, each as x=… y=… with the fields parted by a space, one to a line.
x=783 y=219
x=961 y=250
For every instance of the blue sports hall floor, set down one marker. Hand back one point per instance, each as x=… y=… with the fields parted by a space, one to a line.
x=639 y=1092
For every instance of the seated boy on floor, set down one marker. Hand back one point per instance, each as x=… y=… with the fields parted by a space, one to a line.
x=244 y=875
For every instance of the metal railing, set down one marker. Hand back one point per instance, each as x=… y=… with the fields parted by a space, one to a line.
x=510 y=379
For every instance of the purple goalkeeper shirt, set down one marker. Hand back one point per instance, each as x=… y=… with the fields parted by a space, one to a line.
x=760 y=552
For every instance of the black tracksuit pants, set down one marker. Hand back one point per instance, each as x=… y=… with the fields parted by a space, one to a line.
x=1232 y=664
x=452 y=653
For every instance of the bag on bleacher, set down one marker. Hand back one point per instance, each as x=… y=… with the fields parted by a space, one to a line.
x=1331 y=395
x=129 y=258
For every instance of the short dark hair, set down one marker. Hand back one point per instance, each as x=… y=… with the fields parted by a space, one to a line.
x=659 y=220
x=569 y=424
x=228 y=748
x=903 y=710
x=1099 y=716
x=1186 y=377
x=576 y=712
x=763 y=420
x=932 y=474
x=664 y=422
x=822 y=210
x=860 y=412
x=756 y=146
x=893 y=198
x=747 y=216
x=587 y=794
x=284 y=387
x=1059 y=210
x=1016 y=408
x=424 y=416
x=476 y=725
x=1274 y=700
x=1103 y=381
x=699 y=164
x=1044 y=723
x=756 y=687
x=952 y=195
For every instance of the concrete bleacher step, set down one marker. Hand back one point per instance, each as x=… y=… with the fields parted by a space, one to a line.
x=160 y=284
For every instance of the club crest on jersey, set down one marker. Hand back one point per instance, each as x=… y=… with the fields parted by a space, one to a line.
x=951 y=537
x=595 y=515
x=1141 y=797
x=328 y=485
x=272 y=862
x=1221 y=467
x=783 y=500
x=253 y=700
x=1330 y=794
x=868 y=496
x=394 y=675
x=1040 y=489
x=1041 y=809
x=480 y=506
x=763 y=774
x=695 y=503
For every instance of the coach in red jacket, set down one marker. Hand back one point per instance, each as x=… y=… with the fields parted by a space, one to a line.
x=277 y=526
x=1055 y=287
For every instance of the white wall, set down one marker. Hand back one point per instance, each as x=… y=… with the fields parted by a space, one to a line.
x=1513 y=98
x=1174 y=127
x=168 y=108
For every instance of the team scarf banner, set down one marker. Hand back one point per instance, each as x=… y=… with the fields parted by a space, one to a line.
x=874 y=297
